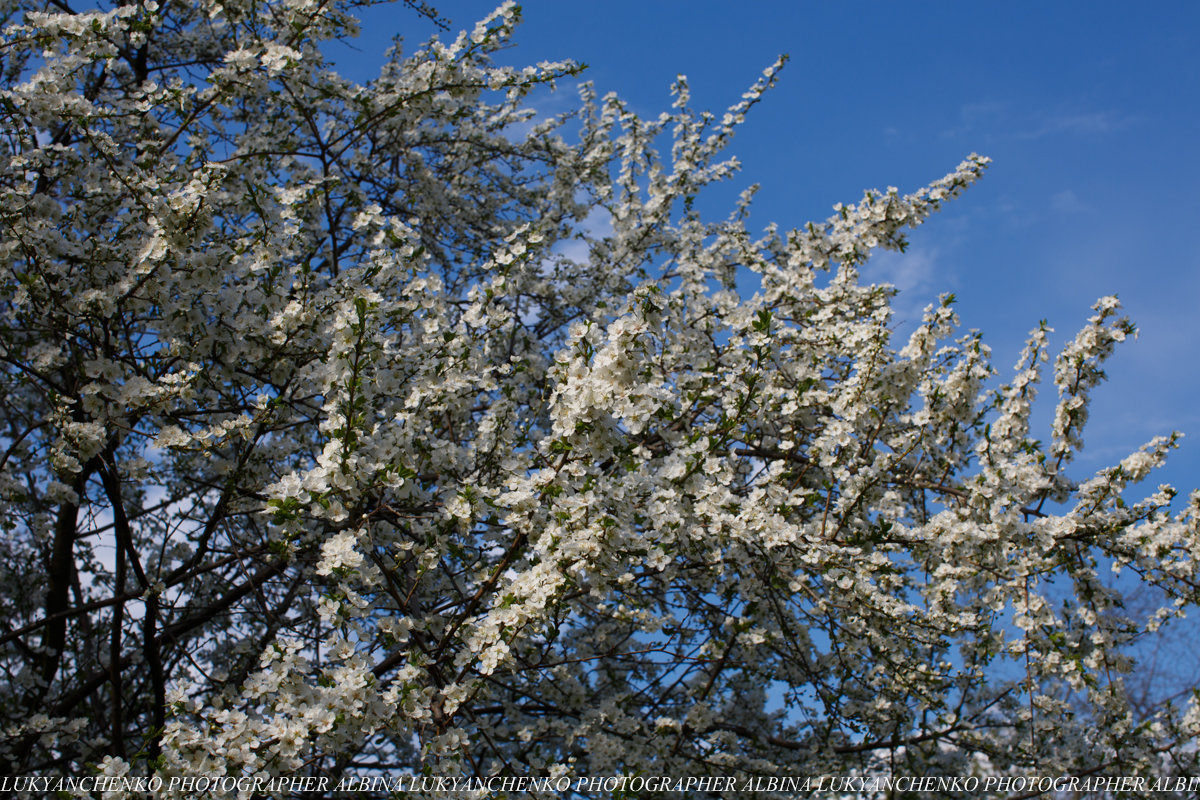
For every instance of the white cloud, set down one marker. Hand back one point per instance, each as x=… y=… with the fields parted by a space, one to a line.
x=973 y=116
x=1091 y=122
x=1067 y=202
x=1000 y=119
x=916 y=274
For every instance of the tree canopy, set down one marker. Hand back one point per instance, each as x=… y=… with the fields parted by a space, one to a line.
x=336 y=437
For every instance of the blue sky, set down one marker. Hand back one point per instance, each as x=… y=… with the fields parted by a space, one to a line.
x=1090 y=111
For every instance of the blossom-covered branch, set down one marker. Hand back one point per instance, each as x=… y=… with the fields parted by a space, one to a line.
x=338 y=436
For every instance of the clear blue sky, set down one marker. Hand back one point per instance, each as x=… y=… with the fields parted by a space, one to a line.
x=1090 y=110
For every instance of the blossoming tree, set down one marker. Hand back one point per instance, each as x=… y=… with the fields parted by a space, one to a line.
x=323 y=453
